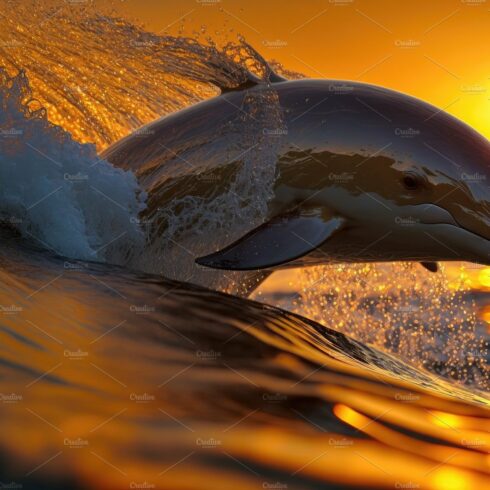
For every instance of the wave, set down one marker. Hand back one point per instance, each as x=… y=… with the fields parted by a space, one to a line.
x=428 y=320
x=57 y=191
x=123 y=78
x=114 y=386
x=61 y=106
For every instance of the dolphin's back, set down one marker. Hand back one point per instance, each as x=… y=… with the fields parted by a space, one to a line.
x=316 y=114
x=169 y=143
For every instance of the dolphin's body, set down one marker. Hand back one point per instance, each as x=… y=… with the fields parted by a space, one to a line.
x=341 y=171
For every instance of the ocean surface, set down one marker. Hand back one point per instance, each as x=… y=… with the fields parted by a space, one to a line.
x=118 y=379
x=113 y=377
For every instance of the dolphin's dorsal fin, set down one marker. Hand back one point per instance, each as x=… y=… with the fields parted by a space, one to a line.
x=273 y=77
x=252 y=80
x=282 y=239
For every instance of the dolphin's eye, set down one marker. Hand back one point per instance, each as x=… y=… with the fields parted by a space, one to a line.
x=411 y=182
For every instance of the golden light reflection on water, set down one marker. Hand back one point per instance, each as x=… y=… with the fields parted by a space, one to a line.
x=229 y=394
x=427 y=319
x=484 y=277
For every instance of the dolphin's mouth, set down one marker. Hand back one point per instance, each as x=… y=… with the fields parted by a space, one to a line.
x=466 y=235
x=465 y=244
x=478 y=245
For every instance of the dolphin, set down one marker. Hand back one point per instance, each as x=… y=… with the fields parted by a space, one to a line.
x=327 y=171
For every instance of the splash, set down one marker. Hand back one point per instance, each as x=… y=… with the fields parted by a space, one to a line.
x=125 y=77
x=194 y=222
x=401 y=309
x=53 y=188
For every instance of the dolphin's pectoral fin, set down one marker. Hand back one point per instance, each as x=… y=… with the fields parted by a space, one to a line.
x=283 y=239
x=430 y=266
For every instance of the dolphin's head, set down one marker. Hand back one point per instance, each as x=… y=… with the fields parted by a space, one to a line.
x=426 y=210
x=371 y=175
x=444 y=187
x=422 y=192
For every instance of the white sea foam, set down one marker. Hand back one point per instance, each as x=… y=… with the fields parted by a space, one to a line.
x=57 y=192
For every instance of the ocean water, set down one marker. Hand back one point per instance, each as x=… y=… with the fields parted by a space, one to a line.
x=114 y=377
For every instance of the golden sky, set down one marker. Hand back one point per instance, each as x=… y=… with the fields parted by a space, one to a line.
x=438 y=50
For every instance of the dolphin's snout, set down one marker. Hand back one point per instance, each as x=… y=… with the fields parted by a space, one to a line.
x=475 y=222
x=465 y=195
